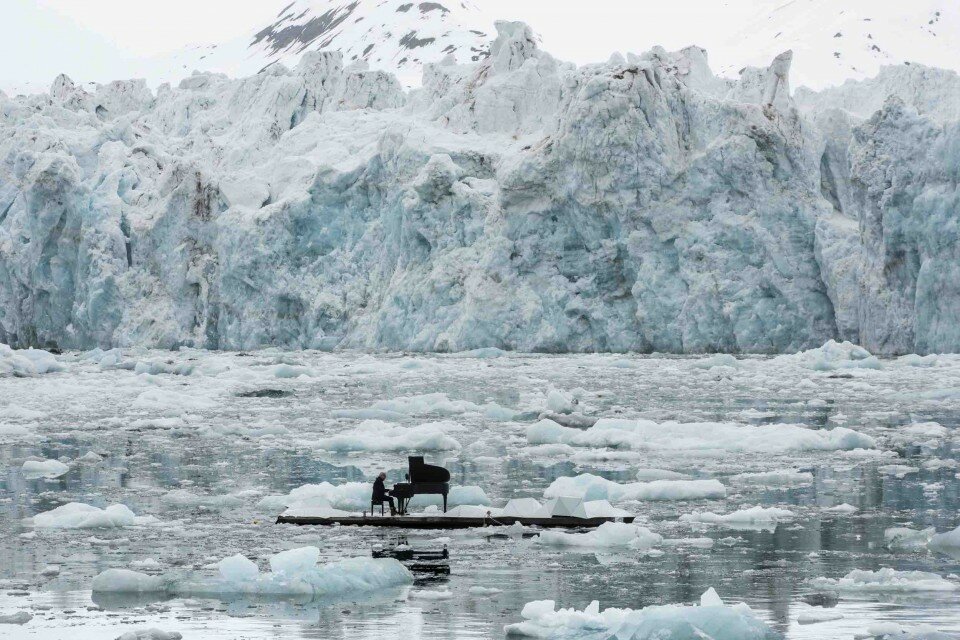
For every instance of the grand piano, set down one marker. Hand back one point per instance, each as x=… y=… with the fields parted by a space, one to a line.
x=422 y=479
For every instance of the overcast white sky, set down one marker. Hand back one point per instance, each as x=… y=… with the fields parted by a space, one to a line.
x=106 y=39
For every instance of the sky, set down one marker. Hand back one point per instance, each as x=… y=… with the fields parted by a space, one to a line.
x=108 y=39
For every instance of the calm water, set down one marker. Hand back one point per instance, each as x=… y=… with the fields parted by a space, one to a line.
x=250 y=447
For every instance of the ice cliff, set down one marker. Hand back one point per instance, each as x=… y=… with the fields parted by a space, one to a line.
x=519 y=202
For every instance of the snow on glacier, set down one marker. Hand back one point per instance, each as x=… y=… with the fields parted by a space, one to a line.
x=516 y=203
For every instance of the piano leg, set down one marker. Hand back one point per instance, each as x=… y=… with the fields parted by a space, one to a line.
x=444 y=503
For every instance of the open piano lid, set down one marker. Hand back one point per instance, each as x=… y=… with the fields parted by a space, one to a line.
x=422 y=472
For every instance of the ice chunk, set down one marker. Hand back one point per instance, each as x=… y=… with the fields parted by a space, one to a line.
x=150 y=634
x=183 y=498
x=591 y=487
x=906 y=539
x=646 y=475
x=27 y=362
x=77 y=515
x=834 y=355
x=716 y=621
x=297 y=576
x=946 y=541
x=484 y=591
x=295 y=561
x=375 y=435
x=886 y=580
x=710 y=598
x=560 y=402
x=719 y=360
x=20 y=617
x=238 y=568
x=33 y=469
x=815 y=615
x=127 y=581
x=779 y=478
x=708 y=438
x=842 y=508
x=749 y=517
x=607 y=535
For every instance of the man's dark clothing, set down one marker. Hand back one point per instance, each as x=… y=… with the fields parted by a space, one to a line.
x=380 y=495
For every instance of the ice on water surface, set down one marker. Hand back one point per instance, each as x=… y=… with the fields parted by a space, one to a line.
x=768 y=481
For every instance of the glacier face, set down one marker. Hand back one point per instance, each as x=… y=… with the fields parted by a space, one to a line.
x=521 y=202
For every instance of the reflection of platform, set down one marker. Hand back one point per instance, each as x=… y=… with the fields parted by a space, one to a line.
x=443 y=522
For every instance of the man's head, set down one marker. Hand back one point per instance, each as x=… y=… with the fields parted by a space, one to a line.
x=382 y=476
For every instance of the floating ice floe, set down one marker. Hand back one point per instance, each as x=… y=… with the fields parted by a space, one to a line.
x=949 y=541
x=753 y=517
x=292 y=573
x=719 y=360
x=150 y=634
x=432 y=404
x=834 y=355
x=921 y=433
x=906 y=539
x=712 y=619
x=707 y=438
x=376 y=435
x=171 y=403
x=20 y=617
x=27 y=362
x=77 y=515
x=816 y=615
x=886 y=580
x=187 y=499
x=591 y=487
x=33 y=469
x=779 y=478
x=484 y=591
x=844 y=508
x=607 y=535
x=894 y=631
x=646 y=475
x=426 y=594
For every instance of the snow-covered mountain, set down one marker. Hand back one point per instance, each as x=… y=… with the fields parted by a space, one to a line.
x=398 y=36
x=836 y=40
x=832 y=40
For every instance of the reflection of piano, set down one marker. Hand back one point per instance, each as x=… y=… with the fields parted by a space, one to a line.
x=423 y=479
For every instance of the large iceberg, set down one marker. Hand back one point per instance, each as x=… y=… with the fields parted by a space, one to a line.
x=516 y=203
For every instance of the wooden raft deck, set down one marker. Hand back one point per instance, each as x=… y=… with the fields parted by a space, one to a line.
x=443 y=522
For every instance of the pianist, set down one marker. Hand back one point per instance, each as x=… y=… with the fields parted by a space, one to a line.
x=381 y=495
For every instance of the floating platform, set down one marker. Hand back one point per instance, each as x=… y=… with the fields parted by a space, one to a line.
x=446 y=522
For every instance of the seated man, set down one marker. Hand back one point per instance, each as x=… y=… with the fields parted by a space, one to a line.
x=381 y=495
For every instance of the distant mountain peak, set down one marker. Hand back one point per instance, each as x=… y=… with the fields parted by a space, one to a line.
x=396 y=35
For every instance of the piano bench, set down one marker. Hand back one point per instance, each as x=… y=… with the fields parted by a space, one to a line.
x=373 y=505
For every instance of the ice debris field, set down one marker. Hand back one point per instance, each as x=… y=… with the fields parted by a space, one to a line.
x=810 y=495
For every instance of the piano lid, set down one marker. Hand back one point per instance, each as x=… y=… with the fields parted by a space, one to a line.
x=422 y=472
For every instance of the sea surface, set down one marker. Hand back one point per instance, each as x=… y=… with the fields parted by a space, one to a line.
x=134 y=426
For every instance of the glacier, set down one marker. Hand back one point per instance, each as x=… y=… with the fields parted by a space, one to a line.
x=519 y=203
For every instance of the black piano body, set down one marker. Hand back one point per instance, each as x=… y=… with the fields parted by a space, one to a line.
x=422 y=479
